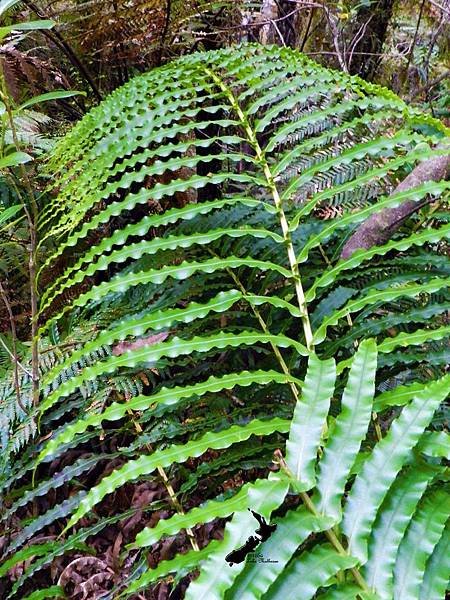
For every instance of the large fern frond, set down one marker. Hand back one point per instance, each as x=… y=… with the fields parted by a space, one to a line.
x=201 y=300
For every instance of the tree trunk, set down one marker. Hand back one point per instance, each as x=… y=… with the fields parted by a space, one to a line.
x=379 y=228
x=369 y=34
x=280 y=23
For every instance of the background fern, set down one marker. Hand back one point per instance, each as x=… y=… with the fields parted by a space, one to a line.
x=200 y=212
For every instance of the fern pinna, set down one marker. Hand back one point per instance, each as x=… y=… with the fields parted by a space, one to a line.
x=204 y=336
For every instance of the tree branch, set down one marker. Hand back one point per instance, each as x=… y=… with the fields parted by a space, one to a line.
x=380 y=227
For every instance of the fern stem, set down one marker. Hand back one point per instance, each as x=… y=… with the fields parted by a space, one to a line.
x=426 y=218
x=55 y=36
x=32 y=218
x=330 y=533
x=178 y=506
x=293 y=263
x=290 y=251
x=265 y=328
x=334 y=540
x=376 y=424
x=171 y=492
x=14 y=338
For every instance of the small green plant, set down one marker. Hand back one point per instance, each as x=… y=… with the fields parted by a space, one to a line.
x=18 y=142
x=204 y=319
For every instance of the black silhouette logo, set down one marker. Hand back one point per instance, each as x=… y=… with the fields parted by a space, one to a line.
x=263 y=533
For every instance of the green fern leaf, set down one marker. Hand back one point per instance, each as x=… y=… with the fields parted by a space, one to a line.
x=216 y=576
x=178 y=272
x=350 y=429
x=380 y=470
x=328 y=278
x=435 y=443
x=437 y=573
x=177 y=453
x=173 y=348
x=309 y=420
x=378 y=296
x=292 y=530
x=166 y=397
x=310 y=571
x=56 y=591
x=402 y=394
x=418 y=545
x=181 y=563
x=163 y=319
x=390 y=527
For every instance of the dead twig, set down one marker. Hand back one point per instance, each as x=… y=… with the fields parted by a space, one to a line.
x=357 y=38
x=332 y=23
x=440 y=7
x=429 y=86
x=413 y=44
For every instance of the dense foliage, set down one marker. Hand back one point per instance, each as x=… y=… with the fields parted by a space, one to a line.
x=200 y=335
